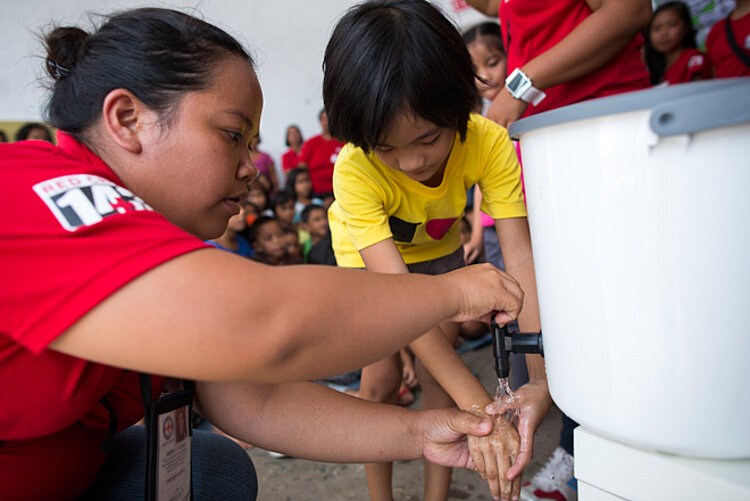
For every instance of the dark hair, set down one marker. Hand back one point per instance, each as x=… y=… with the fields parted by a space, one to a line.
x=305 y=216
x=291 y=180
x=488 y=29
x=280 y=198
x=3 y=136
x=389 y=56
x=293 y=126
x=23 y=133
x=655 y=61
x=254 y=229
x=157 y=54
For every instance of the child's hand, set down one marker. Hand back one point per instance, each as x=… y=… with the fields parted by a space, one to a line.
x=408 y=372
x=531 y=401
x=494 y=454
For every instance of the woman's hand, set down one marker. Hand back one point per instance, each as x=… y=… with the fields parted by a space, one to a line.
x=531 y=403
x=485 y=291
x=506 y=109
x=444 y=436
x=494 y=454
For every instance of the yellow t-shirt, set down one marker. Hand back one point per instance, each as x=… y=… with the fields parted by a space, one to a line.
x=374 y=202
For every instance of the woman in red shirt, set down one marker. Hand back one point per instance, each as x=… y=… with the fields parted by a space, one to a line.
x=106 y=275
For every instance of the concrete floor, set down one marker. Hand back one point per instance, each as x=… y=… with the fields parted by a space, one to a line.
x=288 y=479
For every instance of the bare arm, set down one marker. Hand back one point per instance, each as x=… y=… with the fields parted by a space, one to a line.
x=603 y=34
x=433 y=348
x=486 y=7
x=310 y=421
x=211 y=315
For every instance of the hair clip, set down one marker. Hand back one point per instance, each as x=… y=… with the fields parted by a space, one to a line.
x=59 y=70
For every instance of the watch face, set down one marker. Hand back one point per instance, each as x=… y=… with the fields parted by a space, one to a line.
x=513 y=85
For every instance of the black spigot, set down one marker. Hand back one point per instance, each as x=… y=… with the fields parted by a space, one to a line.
x=503 y=344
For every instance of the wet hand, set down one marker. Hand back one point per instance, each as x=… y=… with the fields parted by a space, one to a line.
x=531 y=403
x=494 y=454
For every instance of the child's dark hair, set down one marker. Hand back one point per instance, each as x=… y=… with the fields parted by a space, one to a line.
x=23 y=133
x=488 y=29
x=291 y=180
x=655 y=61
x=254 y=229
x=279 y=198
x=305 y=216
x=157 y=54
x=387 y=56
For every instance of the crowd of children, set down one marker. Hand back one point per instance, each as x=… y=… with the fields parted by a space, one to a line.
x=376 y=191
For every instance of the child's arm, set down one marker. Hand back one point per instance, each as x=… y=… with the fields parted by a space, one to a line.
x=532 y=399
x=473 y=249
x=409 y=374
x=441 y=359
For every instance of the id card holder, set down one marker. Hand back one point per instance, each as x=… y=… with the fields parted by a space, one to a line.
x=168 y=444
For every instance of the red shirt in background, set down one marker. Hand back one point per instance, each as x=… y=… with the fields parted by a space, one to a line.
x=726 y=63
x=320 y=155
x=289 y=160
x=531 y=27
x=70 y=235
x=690 y=63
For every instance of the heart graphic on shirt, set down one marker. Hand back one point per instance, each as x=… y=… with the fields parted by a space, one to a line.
x=437 y=228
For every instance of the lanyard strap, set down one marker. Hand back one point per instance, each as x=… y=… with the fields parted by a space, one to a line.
x=741 y=54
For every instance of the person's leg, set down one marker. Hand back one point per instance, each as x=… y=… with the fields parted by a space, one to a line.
x=221 y=469
x=437 y=479
x=380 y=383
x=566 y=434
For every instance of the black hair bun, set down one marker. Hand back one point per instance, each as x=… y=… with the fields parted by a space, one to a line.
x=65 y=47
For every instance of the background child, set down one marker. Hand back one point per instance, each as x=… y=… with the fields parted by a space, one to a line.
x=485 y=44
x=670 y=50
x=315 y=222
x=257 y=194
x=728 y=43
x=282 y=205
x=267 y=239
x=232 y=239
x=400 y=183
x=299 y=184
x=291 y=240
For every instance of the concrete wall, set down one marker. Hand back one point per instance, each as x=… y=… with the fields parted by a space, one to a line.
x=286 y=37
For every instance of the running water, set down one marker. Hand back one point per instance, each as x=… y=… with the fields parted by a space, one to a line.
x=503 y=388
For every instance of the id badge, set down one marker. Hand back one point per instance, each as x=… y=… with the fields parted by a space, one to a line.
x=169 y=432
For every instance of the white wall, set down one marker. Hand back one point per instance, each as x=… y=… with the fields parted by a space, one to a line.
x=286 y=37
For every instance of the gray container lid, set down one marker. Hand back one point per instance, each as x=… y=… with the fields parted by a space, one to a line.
x=675 y=109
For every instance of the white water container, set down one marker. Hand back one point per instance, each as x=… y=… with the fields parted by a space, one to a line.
x=639 y=210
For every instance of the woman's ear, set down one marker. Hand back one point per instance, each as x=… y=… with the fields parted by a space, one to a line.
x=123 y=115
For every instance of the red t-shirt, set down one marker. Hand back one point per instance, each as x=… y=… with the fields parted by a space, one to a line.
x=320 y=154
x=726 y=63
x=691 y=62
x=289 y=160
x=70 y=235
x=531 y=27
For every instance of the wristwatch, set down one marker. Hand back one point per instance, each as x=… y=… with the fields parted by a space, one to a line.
x=519 y=85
